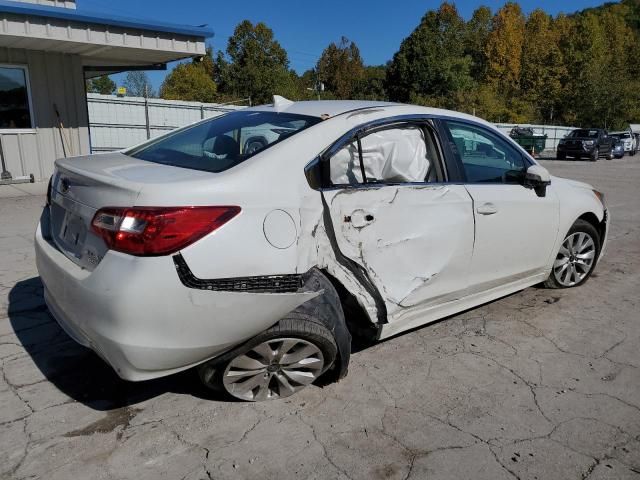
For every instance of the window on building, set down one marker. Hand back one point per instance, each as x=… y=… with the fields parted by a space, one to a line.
x=15 y=106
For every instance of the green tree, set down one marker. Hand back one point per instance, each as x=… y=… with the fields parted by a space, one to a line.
x=340 y=67
x=476 y=34
x=372 y=84
x=543 y=68
x=138 y=84
x=431 y=62
x=102 y=84
x=255 y=66
x=504 y=49
x=189 y=81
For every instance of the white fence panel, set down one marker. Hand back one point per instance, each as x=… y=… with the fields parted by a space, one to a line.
x=119 y=122
x=554 y=133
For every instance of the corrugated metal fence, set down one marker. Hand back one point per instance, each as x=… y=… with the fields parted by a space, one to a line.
x=119 y=122
x=554 y=133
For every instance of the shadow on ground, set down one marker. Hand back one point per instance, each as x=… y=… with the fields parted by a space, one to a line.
x=77 y=371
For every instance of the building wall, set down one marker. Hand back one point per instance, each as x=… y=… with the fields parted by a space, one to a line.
x=52 y=3
x=54 y=79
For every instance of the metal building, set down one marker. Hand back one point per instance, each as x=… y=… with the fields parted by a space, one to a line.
x=47 y=50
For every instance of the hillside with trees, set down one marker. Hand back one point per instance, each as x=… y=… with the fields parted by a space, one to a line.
x=506 y=66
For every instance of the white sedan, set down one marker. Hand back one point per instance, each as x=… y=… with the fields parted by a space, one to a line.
x=257 y=261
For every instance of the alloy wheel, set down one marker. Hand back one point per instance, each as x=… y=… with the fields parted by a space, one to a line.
x=273 y=369
x=575 y=259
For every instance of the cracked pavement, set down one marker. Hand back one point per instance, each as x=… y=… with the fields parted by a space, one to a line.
x=542 y=384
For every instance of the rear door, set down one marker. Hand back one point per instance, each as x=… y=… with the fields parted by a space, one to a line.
x=515 y=229
x=394 y=215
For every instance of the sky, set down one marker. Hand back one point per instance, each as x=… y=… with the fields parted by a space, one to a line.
x=305 y=28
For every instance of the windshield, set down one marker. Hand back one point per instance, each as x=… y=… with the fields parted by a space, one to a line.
x=583 y=133
x=222 y=142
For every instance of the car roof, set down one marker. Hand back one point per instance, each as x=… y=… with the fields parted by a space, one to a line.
x=332 y=108
x=322 y=108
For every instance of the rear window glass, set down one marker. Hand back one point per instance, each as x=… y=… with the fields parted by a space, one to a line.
x=222 y=142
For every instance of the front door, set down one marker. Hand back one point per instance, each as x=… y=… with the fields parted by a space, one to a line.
x=394 y=216
x=515 y=229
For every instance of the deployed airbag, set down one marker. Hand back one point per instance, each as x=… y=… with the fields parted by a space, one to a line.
x=394 y=155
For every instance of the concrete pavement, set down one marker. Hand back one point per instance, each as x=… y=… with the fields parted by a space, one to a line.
x=543 y=384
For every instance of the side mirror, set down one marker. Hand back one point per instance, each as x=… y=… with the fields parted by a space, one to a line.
x=538 y=178
x=313 y=172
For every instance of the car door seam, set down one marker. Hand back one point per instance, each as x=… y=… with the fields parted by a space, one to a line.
x=359 y=272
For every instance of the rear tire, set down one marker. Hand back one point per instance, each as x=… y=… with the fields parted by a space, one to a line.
x=561 y=156
x=610 y=156
x=576 y=258
x=276 y=363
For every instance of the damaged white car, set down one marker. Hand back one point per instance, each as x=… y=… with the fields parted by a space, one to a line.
x=256 y=257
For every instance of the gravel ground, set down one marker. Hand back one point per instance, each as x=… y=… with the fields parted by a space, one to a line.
x=543 y=384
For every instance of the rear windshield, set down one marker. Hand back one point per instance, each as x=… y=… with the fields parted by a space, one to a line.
x=222 y=142
x=583 y=133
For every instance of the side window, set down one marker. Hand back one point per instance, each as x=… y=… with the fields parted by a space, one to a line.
x=486 y=158
x=392 y=155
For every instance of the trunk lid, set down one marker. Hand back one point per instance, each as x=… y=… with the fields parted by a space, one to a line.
x=83 y=185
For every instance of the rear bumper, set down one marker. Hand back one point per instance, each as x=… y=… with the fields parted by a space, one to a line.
x=136 y=314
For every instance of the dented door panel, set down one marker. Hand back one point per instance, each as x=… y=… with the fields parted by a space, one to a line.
x=414 y=241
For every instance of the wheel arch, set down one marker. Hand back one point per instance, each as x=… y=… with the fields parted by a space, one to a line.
x=327 y=310
x=599 y=225
x=357 y=319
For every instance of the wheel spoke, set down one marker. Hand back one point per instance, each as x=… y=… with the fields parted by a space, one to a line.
x=299 y=376
x=265 y=351
x=587 y=255
x=242 y=388
x=284 y=348
x=566 y=275
x=284 y=385
x=564 y=251
x=309 y=362
x=263 y=392
x=586 y=244
x=237 y=375
x=300 y=354
x=247 y=363
x=583 y=266
x=560 y=262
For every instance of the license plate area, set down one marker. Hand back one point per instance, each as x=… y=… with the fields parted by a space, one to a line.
x=73 y=233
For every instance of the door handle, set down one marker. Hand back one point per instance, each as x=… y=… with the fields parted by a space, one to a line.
x=487 y=209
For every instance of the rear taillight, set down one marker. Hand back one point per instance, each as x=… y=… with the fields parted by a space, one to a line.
x=152 y=231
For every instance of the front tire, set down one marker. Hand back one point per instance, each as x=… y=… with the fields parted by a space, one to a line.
x=561 y=156
x=576 y=258
x=275 y=364
x=594 y=155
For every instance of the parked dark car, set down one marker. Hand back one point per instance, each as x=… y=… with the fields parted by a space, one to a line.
x=617 y=148
x=590 y=143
